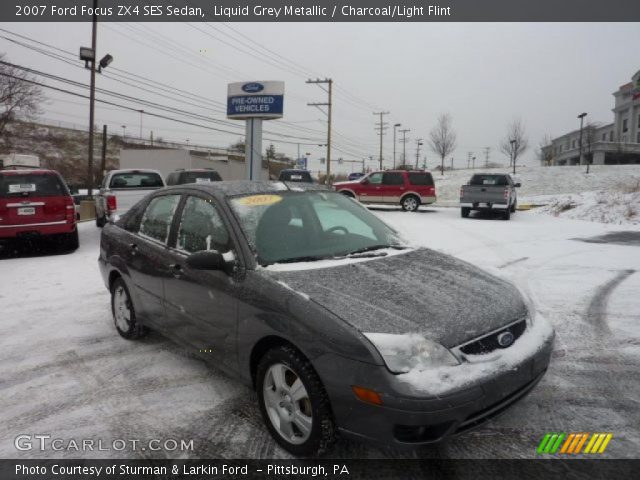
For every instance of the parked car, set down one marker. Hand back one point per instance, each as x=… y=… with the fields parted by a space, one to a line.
x=489 y=192
x=295 y=175
x=36 y=203
x=355 y=175
x=196 y=175
x=312 y=300
x=121 y=189
x=409 y=189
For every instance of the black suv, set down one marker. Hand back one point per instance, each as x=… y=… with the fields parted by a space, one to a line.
x=196 y=175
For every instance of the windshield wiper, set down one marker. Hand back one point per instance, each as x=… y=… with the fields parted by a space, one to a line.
x=372 y=248
x=306 y=258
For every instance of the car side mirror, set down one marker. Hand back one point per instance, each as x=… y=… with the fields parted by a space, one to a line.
x=517 y=185
x=206 y=260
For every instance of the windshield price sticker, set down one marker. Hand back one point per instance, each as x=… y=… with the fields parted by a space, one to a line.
x=22 y=187
x=259 y=200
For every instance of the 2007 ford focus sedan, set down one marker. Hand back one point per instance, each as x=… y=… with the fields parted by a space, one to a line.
x=339 y=325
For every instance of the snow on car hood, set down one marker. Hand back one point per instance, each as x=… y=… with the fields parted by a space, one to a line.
x=423 y=291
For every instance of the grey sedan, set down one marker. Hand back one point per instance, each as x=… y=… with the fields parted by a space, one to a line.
x=339 y=325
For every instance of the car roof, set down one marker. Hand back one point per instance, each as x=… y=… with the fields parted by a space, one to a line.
x=231 y=188
x=134 y=170
x=30 y=171
x=294 y=170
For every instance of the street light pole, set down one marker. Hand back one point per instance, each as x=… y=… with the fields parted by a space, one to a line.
x=92 y=98
x=581 y=117
x=395 y=126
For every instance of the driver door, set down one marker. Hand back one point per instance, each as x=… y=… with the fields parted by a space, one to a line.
x=202 y=304
x=371 y=191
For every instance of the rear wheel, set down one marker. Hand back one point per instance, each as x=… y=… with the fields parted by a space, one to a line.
x=124 y=314
x=294 y=405
x=347 y=193
x=513 y=207
x=464 y=212
x=71 y=241
x=100 y=221
x=410 y=203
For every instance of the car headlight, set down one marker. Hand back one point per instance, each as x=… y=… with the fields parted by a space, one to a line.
x=406 y=352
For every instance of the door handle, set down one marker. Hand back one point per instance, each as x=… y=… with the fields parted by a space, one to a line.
x=176 y=270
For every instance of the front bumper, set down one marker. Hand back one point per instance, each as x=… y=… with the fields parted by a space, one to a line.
x=410 y=417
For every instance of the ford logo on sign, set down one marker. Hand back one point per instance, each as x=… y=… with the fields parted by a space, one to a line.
x=252 y=87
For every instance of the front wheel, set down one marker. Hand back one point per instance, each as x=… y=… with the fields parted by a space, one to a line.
x=294 y=405
x=410 y=203
x=464 y=212
x=506 y=215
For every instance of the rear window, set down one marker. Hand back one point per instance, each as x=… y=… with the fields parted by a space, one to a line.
x=136 y=180
x=420 y=178
x=200 y=177
x=293 y=176
x=500 y=180
x=40 y=185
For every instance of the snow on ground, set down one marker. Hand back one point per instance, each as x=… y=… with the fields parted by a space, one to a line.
x=608 y=194
x=65 y=372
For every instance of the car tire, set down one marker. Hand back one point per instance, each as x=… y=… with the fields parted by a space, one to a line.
x=410 y=203
x=100 y=221
x=71 y=241
x=464 y=212
x=513 y=207
x=124 y=315
x=347 y=193
x=314 y=432
x=506 y=215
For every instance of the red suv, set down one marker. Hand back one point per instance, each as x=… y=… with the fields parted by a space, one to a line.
x=36 y=203
x=409 y=189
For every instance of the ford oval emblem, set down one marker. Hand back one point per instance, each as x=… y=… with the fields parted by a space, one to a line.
x=505 y=339
x=252 y=87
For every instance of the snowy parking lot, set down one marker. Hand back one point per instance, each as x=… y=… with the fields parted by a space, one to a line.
x=65 y=372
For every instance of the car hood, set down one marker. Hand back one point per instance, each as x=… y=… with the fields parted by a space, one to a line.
x=422 y=291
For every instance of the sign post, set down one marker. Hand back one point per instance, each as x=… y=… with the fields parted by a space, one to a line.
x=254 y=102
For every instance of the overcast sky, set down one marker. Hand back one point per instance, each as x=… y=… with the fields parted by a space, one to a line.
x=483 y=75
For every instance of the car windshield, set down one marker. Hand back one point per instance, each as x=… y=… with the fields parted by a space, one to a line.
x=295 y=176
x=500 y=180
x=41 y=185
x=305 y=226
x=136 y=180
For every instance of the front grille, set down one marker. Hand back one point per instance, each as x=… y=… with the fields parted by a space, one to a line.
x=490 y=342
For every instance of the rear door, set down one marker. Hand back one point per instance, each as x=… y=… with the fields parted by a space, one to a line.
x=370 y=190
x=147 y=253
x=422 y=184
x=392 y=187
x=32 y=199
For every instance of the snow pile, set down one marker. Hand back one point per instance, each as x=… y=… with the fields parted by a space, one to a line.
x=620 y=206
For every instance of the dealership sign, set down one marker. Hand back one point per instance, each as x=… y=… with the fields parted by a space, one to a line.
x=255 y=100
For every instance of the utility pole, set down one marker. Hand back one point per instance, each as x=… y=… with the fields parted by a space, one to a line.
x=103 y=164
x=581 y=117
x=404 y=145
x=327 y=104
x=92 y=97
x=486 y=156
x=141 y=112
x=473 y=162
x=469 y=154
x=381 y=127
x=395 y=126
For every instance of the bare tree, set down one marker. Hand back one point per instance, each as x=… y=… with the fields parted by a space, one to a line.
x=516 y=142
x=545 y=150
x=18 y=96
x=442 y=139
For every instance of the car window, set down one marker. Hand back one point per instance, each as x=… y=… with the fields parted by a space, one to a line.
x=392 y=178
x=157 y=218
x=420 y=178
x=500 y=180
x=40 y=185
x=201 y=227
x=136 y=180
x=199 y=177
x=375 y=178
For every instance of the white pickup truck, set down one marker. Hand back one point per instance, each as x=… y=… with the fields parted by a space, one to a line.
x=122 y=189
